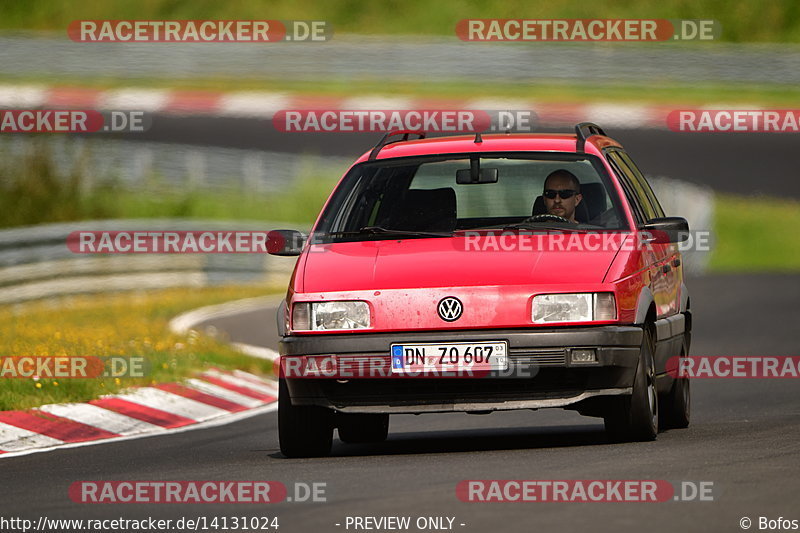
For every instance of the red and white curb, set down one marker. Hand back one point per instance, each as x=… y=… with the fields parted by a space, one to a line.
x=213 y=398
x=259 y=104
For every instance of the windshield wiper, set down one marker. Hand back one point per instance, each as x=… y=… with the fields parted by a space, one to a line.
x=544 y=227
x=378 y=230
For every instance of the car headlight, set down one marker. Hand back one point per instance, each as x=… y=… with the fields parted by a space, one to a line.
x=576 y=307
x=318 y=316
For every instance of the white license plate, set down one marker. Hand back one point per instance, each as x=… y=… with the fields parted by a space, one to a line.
x=452 y=356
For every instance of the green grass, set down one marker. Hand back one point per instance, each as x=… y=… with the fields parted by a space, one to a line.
x=756 y=234
x=299 y=205
x=128 y=324
x=774 y=21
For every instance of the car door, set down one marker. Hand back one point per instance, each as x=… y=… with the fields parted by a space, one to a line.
x=672 y=267
x=656 y=256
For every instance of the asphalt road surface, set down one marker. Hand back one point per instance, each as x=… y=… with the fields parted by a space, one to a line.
x=744 y=438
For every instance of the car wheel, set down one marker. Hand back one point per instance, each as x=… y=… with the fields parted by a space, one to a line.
x=362 y=428
x=635 y=417
x=303 y=430
x=676 y=407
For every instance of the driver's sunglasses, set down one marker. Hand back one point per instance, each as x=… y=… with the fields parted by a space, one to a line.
x=563 y=193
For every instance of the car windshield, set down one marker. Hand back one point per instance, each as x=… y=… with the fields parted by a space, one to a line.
x=441 y=196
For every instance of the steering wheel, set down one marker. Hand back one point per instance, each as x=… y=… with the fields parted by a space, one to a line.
x=546 y=217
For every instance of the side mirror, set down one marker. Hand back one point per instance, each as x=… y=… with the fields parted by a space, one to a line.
x=667 y=230
x=285 y=242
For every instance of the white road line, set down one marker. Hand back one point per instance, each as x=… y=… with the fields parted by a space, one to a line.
x=500 y=104
x=22 y=96
x=253 y=104
x=378 y=103
x=135 y=99
x=98 y=417
x=14 y=439
x=225 y=394
x=172 y=403
x=256 y=351
x=182 y=323
x=620 y=115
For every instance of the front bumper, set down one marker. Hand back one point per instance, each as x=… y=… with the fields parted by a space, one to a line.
x=540 y=374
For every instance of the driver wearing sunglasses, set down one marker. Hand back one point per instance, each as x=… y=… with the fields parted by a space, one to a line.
x=562 y=194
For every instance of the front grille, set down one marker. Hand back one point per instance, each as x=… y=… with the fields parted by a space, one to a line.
x=538 y=356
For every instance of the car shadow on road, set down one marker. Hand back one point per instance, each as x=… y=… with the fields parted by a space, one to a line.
x=461 y=440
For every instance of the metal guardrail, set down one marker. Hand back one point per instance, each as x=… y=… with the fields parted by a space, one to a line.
x=36 y=263
x=349 y=57
x=138 y=165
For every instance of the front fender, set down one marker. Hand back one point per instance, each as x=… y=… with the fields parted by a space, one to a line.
x=280 y=317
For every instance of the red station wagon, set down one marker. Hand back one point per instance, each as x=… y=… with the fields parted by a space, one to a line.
x=484 y=273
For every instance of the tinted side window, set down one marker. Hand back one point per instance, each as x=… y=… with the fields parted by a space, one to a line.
x=643 y=183
x=631 y=193
x=641 y=194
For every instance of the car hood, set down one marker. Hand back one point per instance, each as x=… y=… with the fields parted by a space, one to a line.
x=461 y=261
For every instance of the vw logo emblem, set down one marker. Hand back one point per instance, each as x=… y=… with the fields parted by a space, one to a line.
x=450 y=309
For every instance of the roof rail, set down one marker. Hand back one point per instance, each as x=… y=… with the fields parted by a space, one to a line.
x=386 y=140
x=592 y=128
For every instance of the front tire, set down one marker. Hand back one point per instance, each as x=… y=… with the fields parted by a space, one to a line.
x=635 y=417
x=303 y=430
x=676 y=412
